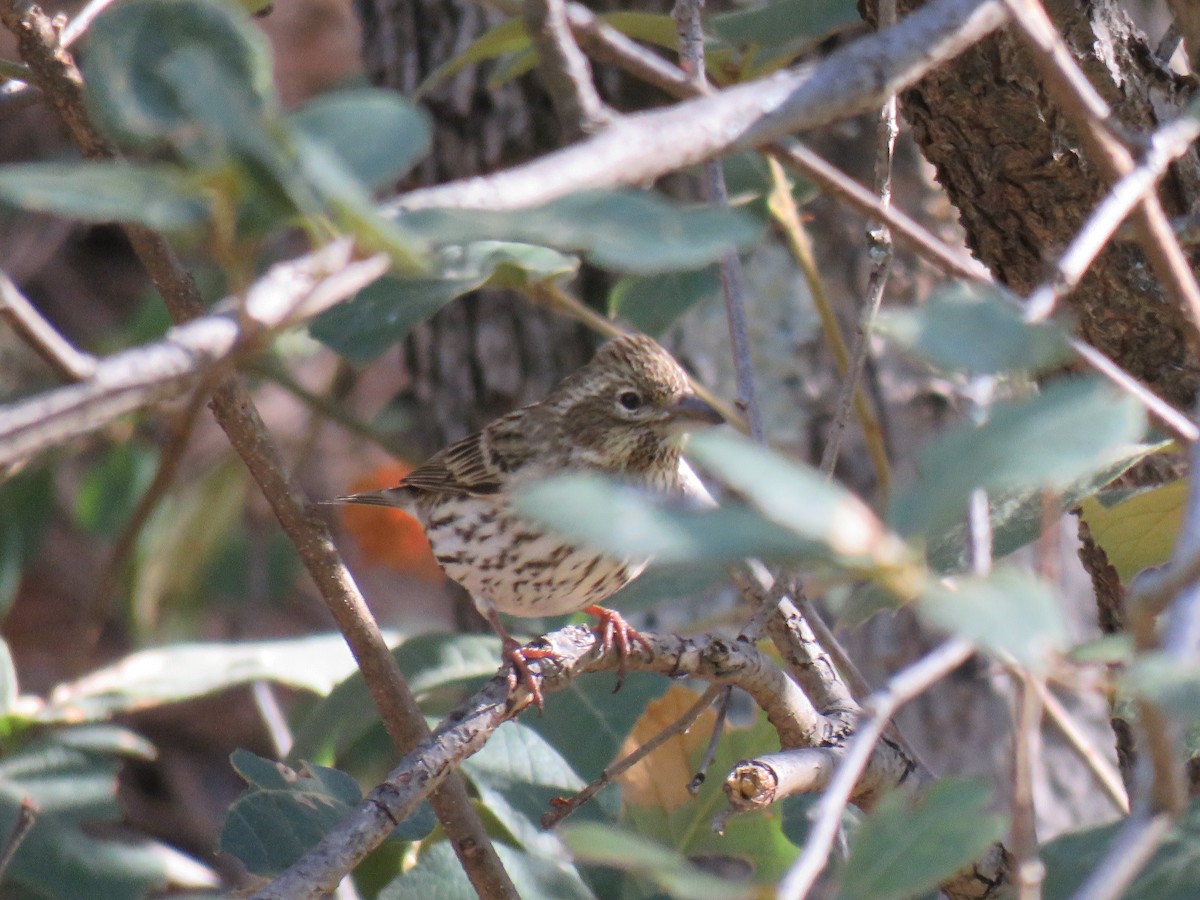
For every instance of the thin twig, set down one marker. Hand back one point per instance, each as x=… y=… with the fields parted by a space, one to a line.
x=1028 y=869
x=26 y=816
x=273 y=717
x=51 y=346
x=96 y=609
x=878 y=710
x=690 y=32
x=783 y=207
x=710 y=751
x=881 y=253
x=564 y=808
x=1102 y=770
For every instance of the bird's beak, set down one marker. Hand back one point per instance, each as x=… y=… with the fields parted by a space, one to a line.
x=691 y=409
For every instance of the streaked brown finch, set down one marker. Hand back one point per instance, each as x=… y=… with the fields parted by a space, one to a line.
x=622 y=414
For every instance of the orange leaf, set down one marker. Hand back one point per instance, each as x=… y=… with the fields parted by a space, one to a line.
x=390 y=537
x=661 y=779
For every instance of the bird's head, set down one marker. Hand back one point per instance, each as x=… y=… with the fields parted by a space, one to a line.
x=624 y=409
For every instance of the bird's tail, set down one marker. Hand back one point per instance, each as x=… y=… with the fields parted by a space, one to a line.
x=390 y=497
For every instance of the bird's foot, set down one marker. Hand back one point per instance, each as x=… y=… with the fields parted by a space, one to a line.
x=615 y=631
x=519 y=657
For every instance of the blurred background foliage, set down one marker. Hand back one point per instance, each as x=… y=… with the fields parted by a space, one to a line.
x=156 y=620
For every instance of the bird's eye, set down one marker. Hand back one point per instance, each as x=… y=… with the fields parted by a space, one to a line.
x=631 y=400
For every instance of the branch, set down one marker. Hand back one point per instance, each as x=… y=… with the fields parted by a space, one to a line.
x=136 y=378
x=576 y=651
x=32 y=328
x=904 y=686
x=565 y=71
x=638 y=148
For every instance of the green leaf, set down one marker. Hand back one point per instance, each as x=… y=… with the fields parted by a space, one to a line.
x=1138 y=531
x=132 y=45
x=589 y=707
x=507 y=37
x=972 y=329
x=183 y=671
x=376 y=133
x=607 y=845
x=1171 y=874
x=156 y=195
x=432 y=664
x=349 y=204
x=652 y=303
x=626 y=231
x=64 y=854
x=905 y=847
x=1172 y=685
x=110 y=490
x=383 y=314
x=794 y=496
x=518 y=773
x=1017 y=517
x=1073 y=429
x=630 y=523
x=783 y=21
x=1009 y=611
x=439 y=876
x=659 y=29
x=283 y=813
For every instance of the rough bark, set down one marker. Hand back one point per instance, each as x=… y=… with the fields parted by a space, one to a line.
x=491 y=351
x=1011 y=166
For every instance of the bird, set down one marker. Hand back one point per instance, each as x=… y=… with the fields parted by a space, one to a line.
x=622 y=414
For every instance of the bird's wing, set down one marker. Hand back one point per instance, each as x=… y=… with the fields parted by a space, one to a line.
x=479 y=464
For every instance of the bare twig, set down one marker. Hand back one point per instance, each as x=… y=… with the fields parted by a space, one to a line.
x=686 y=14
x=51 y=346
x=881 y=253
x=564 y=808
x=94 y=612
x=273 y=717
x=565 y=71
x=783 y=207
x=234 y=410
x=1028 y=869
x=26 y=816
x=1102 y=770
x=878 y=710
